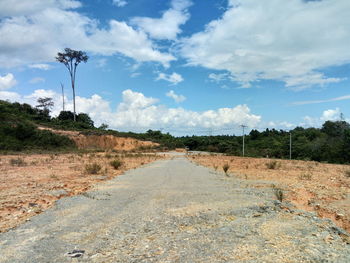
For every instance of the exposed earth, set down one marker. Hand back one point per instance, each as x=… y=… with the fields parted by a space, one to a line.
x=31 y=183
x=175 y=211
x=312 y=186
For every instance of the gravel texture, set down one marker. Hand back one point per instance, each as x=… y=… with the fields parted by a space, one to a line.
x=175 y=211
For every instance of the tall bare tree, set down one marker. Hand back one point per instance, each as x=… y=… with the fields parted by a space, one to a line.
x=71 y=59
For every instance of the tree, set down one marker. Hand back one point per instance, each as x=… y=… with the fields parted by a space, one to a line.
x=45 y=104
x=71 y=59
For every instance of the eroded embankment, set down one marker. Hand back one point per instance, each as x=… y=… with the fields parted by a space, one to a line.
x=105 y=142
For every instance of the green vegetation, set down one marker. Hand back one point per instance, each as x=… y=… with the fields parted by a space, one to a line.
x=116 y=164
x=330 y=143
x=92 y=168
x=18 y=122
x=18 y=129
x=273 y=165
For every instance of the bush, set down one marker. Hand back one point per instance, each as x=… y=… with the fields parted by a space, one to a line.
x=273 y=165
x=347 y=173
x=306 y=176
x=225 y=168
x=279 y=194
x=93 y=168
x=116 y=164
x=17 y=162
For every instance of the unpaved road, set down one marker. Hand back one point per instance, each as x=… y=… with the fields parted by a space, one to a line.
x=175 y=211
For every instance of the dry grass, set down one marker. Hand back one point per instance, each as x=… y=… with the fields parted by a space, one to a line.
x=312 y=186
x=22 y=186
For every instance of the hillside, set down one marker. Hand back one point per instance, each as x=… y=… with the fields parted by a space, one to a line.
x=25 y=128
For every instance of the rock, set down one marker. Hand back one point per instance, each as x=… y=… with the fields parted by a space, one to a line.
x=76 y=253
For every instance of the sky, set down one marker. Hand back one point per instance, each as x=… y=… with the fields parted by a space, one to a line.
x=182 y=66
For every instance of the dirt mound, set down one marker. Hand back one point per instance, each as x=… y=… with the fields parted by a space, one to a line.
x=105 y=142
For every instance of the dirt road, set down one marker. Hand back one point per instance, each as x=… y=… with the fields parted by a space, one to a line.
x=175 y=211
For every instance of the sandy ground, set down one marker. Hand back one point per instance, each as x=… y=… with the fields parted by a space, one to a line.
x=311 y=186
x=30 y=184
x=175 y=211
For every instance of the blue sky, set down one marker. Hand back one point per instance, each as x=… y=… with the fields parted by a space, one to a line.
x=186 y=67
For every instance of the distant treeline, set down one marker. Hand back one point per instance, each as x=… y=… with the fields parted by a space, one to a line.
x=330 y=143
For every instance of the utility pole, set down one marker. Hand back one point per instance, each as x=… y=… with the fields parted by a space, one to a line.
x=62 y=95
x=243 y=126
x=290 y=145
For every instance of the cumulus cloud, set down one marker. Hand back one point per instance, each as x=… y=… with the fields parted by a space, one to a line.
x=120 y=3
x=168 y=26
x=174 y=78
x=56 y=24
x=19 y=8
x=7 y=81
x=136 y=112
x=327 y=115
x=177 y=98
x=289 y=41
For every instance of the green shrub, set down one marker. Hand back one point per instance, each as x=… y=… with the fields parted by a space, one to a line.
x=93 y=168
x=116 y=164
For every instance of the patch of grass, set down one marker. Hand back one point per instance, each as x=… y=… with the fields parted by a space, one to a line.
x=225 y=167
x=272 y=165
x=108 y=156
x=116 y=164
x=17 y=162
x=347 y=173
x=93 y=168
x=306 y=176
x=279 y=194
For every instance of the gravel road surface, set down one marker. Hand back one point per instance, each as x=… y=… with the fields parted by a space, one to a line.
x=175 y=211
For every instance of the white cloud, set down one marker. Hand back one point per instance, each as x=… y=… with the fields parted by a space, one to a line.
x=120 y=3
x=218 y=77
x=174 y=78
x=10 y=96
x=177 y=98
x=289 y=41
x=136 y=112
x=135 y=74
x=327 y=115
x=40 y=66
x=37 y=80
x=331 y=115
x=345 y=97
x=54 y=26
x=7 y=81
x=19 y=8
x=168 y=26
